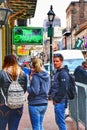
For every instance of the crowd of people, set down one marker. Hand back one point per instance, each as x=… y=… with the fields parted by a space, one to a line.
x=36 y=82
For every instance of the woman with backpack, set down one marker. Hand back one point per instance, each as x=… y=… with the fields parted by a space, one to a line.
x=10 y=70
x=38 y=94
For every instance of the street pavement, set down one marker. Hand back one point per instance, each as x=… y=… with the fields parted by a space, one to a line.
x=49 y=120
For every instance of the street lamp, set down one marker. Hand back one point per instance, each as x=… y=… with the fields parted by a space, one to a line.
x=4 y=13
x=51 y=16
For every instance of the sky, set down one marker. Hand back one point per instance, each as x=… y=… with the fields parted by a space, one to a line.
x=43 y=7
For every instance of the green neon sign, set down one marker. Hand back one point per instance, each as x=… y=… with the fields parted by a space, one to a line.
x=27 y=35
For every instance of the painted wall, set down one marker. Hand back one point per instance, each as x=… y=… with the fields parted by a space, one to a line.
x=0 y=49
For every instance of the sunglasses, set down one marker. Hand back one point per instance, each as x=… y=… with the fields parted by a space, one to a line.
x=57 y=55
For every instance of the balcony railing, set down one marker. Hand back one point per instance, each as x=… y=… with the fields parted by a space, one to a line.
x=66 y=32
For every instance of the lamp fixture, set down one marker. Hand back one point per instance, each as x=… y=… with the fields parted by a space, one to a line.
x=4 y=13
x=51 y=15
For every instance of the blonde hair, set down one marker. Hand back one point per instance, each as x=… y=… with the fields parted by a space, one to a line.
x=37 y=64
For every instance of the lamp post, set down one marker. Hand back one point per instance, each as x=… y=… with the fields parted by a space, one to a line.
x=51 y=16
x=4 y=13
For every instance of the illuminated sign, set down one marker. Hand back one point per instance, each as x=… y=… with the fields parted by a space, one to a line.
x=27 y=35
x=21 y=51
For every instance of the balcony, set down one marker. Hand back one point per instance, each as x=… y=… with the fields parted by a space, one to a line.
x=66 y=32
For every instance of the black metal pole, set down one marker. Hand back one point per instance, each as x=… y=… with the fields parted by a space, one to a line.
x=50 y=58
x=51 y=16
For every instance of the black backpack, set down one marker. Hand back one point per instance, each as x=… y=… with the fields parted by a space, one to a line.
x=71 y=89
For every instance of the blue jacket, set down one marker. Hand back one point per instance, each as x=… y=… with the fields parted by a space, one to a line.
x=39 y=88
x=80 y=75
x=26 y=70
x=59 y=85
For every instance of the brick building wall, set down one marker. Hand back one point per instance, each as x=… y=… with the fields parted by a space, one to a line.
x=76 y=17
x=76 y=13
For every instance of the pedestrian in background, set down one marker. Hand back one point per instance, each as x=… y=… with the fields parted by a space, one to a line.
x=38 y=94
x=81 y=73
x=27 y=70
x=58 y=91
x=7 y=115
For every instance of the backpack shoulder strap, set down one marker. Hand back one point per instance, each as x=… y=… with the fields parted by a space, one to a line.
x=8 y=77
x=63 y=70
x=18 y=74
x=60 y=72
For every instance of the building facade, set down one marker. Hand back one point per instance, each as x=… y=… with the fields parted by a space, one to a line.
x=56 y=22
x=76 y=17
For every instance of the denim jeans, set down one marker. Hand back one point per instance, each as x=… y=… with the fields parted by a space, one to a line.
x=36 y=116
x=10 y=117
x=60 y=115
x=14 y=118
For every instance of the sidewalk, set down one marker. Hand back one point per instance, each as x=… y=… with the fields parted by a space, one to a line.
x=49 y=121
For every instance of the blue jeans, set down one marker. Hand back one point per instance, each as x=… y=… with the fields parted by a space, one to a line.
x=10 y=117
x=60 y=115
x=36 y=116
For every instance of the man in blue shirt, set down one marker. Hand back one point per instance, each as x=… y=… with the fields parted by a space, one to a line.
x=58 y=91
